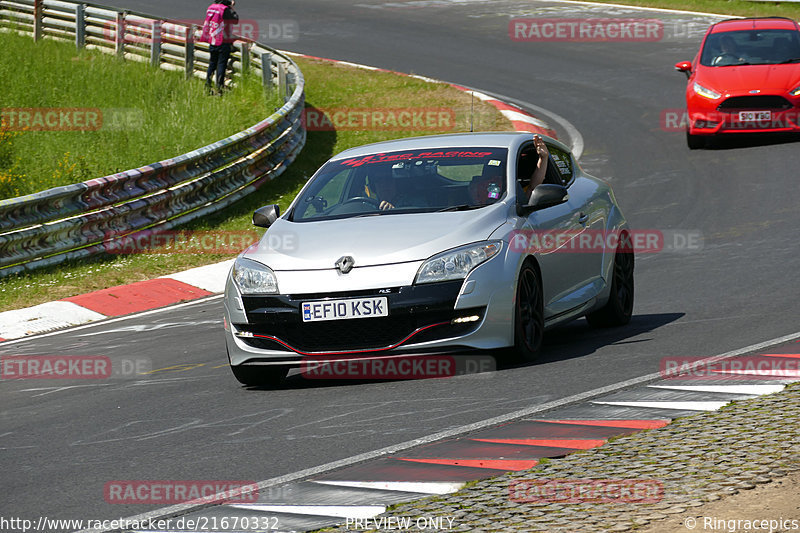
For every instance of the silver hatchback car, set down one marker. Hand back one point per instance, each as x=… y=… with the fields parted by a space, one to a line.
x=425 y=245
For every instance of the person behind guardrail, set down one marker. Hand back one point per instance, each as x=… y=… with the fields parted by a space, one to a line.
x=218 y=33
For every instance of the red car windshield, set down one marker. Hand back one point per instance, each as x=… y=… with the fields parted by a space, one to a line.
x=751 y=47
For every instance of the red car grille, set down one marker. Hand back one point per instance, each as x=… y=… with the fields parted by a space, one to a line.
x=761 y=101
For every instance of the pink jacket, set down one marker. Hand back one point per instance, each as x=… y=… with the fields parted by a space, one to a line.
x=214 y=25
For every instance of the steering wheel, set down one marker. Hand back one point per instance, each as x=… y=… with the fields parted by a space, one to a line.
x=726 y=57
x=362 y=199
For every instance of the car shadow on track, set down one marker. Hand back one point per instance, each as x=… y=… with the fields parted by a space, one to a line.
x=576 y=339
x=742 y=140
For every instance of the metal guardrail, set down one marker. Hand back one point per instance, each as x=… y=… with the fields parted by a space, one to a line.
x=83 y=219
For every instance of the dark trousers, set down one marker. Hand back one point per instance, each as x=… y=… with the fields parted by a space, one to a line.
x=218 y=62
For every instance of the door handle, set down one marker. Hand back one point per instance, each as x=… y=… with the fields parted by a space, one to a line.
x=582 y=218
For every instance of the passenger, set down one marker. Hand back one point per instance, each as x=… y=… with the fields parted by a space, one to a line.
x=481 y=190
x=488 y=187
x=537 y=178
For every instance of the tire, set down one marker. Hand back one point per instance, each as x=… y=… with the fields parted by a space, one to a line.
x=528 y=315
x=695 y=141
x=619 y=308
x=260 y=376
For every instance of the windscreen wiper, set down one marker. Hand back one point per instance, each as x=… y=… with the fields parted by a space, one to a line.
x=462 y=207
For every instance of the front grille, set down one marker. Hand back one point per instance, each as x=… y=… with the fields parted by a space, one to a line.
x=761 y=101
x=410 y=308
x=344 y=335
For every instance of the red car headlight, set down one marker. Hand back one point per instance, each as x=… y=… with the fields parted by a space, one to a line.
x=705 y=92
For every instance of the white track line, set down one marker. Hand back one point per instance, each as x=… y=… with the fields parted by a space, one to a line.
x=728 y=389
x=423 y=487
x=338 y=511
x=575 y=141
x=112 y=320
x=680 y=406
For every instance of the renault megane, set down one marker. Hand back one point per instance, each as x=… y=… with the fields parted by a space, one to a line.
x=426 y=245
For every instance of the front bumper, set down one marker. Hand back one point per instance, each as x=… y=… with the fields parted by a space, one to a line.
x=417 y=314
x=421 y=318
x=713 y=118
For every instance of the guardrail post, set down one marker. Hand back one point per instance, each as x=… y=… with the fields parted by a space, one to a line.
x=282 y=79
x=244 y=50
x=155 y=43
x=189 y=57
x=119 y=40
x=37 y=19
x=80 y=26
x=266 y=70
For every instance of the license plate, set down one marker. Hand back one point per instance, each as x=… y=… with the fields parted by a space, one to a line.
x=345 y=309
x=754 y=116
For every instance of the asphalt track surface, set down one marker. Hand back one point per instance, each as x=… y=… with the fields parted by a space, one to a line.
x=61 y=442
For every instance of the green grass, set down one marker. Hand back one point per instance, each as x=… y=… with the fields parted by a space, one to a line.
x=144 y=114
x=723 y=7
x=327 y=86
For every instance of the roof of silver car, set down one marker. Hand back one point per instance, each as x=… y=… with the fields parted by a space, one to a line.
x=499 y=139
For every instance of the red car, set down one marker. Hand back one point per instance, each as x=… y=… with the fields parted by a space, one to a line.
x=744 y=79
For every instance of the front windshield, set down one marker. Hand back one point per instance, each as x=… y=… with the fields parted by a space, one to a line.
x=409 y=181
x=751 y=47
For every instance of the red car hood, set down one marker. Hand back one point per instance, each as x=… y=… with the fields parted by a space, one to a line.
x=737 y=80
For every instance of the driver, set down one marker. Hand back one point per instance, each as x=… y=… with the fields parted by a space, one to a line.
x=382 y=186
x=728 y=51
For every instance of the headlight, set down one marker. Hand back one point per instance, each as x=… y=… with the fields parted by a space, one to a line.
x=456 y=264
x=795 y=91
x=253 y=278
x=705 y=92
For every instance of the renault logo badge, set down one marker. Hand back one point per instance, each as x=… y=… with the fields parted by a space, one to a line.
x=345 y=264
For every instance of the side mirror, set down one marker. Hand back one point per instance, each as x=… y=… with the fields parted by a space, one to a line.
x=544 y=196
x=684 y=66
x=264 y=217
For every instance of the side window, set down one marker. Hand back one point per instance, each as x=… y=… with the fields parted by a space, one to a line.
x=562 y=163
x=559 y=166
x=526 y=164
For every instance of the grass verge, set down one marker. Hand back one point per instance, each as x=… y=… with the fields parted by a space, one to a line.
x=328 y=86
x=118 y=107
x=723 y=7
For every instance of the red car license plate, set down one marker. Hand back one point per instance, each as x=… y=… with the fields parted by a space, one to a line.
x=754 y=116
